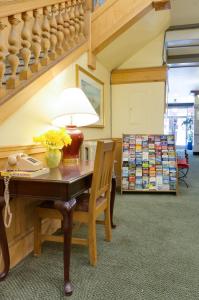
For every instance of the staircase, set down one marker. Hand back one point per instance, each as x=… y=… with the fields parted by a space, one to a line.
x=37 y=35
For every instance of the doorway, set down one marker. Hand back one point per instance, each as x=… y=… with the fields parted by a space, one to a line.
x=179 y=121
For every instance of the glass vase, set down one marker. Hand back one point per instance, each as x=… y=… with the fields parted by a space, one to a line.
x=53 y=157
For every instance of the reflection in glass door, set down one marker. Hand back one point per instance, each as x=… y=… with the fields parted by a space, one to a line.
x=181 y=132
x=177 y=122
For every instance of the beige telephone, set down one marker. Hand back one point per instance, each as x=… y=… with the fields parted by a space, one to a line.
x=23 y=162
x=16 y=163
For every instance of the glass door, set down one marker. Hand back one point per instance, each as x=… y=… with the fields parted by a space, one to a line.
x=179 y=121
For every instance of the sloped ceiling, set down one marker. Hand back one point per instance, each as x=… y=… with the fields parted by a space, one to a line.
x=135 y=38
x=184 y=12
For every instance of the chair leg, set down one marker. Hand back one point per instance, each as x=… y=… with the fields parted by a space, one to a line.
x=37 y=236
x=107 y=225
x=92 y=243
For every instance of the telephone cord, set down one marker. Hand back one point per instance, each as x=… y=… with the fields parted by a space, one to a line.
x=7 y=211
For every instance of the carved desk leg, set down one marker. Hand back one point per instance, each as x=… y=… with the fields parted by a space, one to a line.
x=112 y=201
x=66 y=209
x=4 y=243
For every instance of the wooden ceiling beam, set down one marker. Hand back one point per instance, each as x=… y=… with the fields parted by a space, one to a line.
x=139 y=75
x=161 y=4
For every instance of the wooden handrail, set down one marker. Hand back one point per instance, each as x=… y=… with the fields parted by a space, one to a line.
x=14 y=7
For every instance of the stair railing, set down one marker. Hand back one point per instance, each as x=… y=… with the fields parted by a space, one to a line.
x=34 y=36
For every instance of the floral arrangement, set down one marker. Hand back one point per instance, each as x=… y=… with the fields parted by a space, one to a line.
x=54 y=139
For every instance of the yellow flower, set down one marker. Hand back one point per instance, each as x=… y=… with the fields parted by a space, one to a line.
x=54 y=139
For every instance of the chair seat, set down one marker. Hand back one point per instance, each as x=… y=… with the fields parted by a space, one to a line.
x=182 y=163
x=47 y=204
x=83 y=202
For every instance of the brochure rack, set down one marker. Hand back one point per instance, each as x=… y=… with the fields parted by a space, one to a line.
x=149 y=163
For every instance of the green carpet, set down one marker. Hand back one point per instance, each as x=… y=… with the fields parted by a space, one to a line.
x=154 y=254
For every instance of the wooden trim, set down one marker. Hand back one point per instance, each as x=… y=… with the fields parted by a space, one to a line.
x=32 y=149
x=80 y=69
x=24 y=94
x=9 y=8
x=126 y=76
x=29 y=149
x=98 y=12
x=91 y=56
x=161 y=4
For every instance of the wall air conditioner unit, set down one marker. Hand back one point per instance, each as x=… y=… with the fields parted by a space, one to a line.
x=88 y=150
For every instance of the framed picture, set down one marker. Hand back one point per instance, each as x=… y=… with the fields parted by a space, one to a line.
x=94 y=90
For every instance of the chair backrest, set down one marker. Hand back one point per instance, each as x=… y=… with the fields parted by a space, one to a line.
x=186 y=156
x=103 y=168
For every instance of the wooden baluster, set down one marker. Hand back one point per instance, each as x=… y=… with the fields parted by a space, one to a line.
x=82 y=23
x=66 y=29
x=13 y=47
x=45 y=41
x=2 y=60
x=72 y=24
x=60 y=29
x=36 y=41
x=26 y=44
x=53 y=33
x=77 y=21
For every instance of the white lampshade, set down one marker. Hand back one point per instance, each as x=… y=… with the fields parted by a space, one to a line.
x=74 y=108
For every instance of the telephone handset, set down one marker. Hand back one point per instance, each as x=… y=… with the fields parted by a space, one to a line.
x=18 y=164
x=23 y=162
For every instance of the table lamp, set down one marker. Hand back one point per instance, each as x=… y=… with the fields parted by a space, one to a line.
x=74 y=110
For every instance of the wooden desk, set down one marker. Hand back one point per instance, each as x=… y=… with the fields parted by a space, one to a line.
x=62 y=185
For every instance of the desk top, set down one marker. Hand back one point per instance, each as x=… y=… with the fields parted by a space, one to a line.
x=63 y=174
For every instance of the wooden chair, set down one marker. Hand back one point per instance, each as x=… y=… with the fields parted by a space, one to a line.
x=89 y=205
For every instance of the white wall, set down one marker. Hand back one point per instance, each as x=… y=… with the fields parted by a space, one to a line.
x=139 y=108
x=184 y=12
x=34 y=116
x=149 y=56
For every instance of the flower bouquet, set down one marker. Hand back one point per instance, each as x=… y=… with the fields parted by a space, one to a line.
x=54 y=141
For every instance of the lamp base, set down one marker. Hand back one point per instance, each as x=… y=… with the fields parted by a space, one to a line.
x=71 y=152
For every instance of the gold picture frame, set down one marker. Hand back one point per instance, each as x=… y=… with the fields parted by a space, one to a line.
x=94 y=90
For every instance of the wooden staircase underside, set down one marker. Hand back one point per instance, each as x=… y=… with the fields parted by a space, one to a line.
x=116 y=16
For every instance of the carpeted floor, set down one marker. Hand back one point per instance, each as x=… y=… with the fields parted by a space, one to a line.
x=154 y=254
